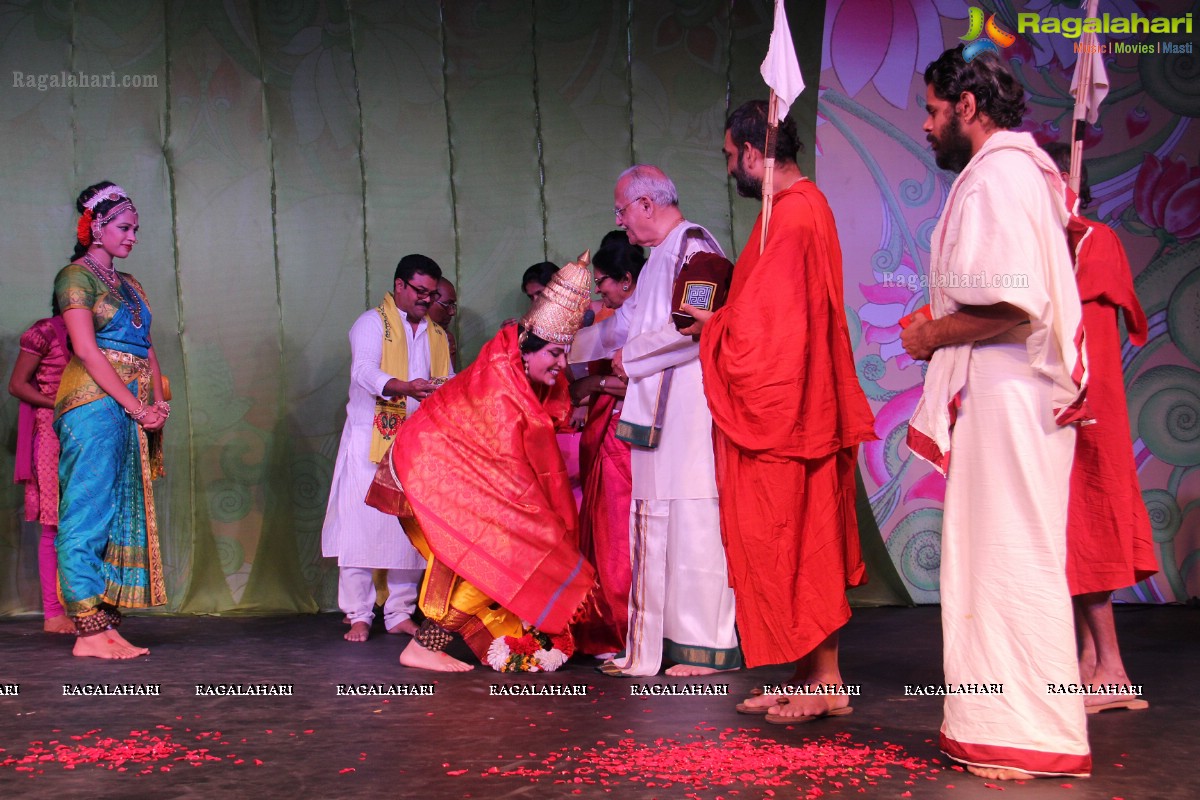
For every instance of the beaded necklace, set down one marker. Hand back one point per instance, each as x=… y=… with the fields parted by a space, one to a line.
x=116 y=285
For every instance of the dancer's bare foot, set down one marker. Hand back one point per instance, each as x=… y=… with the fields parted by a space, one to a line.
x=60 y=624
x=346 y=620
x=103 y=645
x=691 y=670
x=407 y=627
x=1000 y=773
x=359 y=631
x=418 y=657
x=141 y=651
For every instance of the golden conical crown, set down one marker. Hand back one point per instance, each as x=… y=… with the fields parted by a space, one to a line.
x=557 y=313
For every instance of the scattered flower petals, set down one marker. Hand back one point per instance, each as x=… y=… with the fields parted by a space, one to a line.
x=733 y=761
x=138 y=749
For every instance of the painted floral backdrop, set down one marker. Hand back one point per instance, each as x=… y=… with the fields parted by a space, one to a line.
x=887 y=193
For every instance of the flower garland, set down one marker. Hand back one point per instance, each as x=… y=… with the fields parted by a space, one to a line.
x=533 y=652
x=83 y=230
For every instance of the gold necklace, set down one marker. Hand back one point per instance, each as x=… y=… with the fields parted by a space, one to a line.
x=116 y=285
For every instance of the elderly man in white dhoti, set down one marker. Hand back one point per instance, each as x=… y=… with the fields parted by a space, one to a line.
x=1002 y=388
x=680 y=605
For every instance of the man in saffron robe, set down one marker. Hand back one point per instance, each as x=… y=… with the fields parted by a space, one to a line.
x=482 y=492
x=1109 y=544
x=789 y=412
x=1001 y=389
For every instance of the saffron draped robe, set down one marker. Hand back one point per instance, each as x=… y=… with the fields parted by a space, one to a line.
x=789 y=413
x=1109 y=544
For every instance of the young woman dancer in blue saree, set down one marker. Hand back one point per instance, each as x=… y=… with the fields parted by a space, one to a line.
x=108 y=414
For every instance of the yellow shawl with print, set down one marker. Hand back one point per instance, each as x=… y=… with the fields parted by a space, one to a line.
x=390 y=412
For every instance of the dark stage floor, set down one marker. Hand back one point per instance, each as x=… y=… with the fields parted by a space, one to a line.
x=462 y=743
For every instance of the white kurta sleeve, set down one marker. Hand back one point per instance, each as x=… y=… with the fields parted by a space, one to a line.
x=657 y=350
x=366 y=351
x=603 y=338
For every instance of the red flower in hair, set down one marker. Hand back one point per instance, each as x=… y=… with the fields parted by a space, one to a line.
x=83 y=231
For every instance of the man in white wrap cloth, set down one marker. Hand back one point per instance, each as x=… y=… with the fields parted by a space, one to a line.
x=1001 y=392
x=394 y=352
x=680 y=604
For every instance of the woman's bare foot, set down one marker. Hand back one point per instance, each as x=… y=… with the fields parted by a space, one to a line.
x=407 y=627
x=359 y=631
x=418 y=657
x=691 y=670
x=104 y=645
x=1000 y=773
x=346 y=620
x=112 y=634
x=60 y=624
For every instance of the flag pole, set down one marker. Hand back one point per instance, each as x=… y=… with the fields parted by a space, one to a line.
x=1083 y=73
x=781 y=72
x=768 y=186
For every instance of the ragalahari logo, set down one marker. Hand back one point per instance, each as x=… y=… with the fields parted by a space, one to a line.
x=997 y=38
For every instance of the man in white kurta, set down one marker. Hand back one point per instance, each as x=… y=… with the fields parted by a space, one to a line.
x=359 y=537
x=1002 y=387
x=680 y=604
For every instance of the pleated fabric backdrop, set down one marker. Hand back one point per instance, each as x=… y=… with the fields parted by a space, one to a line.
x=283 y=156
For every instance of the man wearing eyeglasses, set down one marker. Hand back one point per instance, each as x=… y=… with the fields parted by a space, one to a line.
x=682 y=607
x=443 y=311
x=397 y=352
